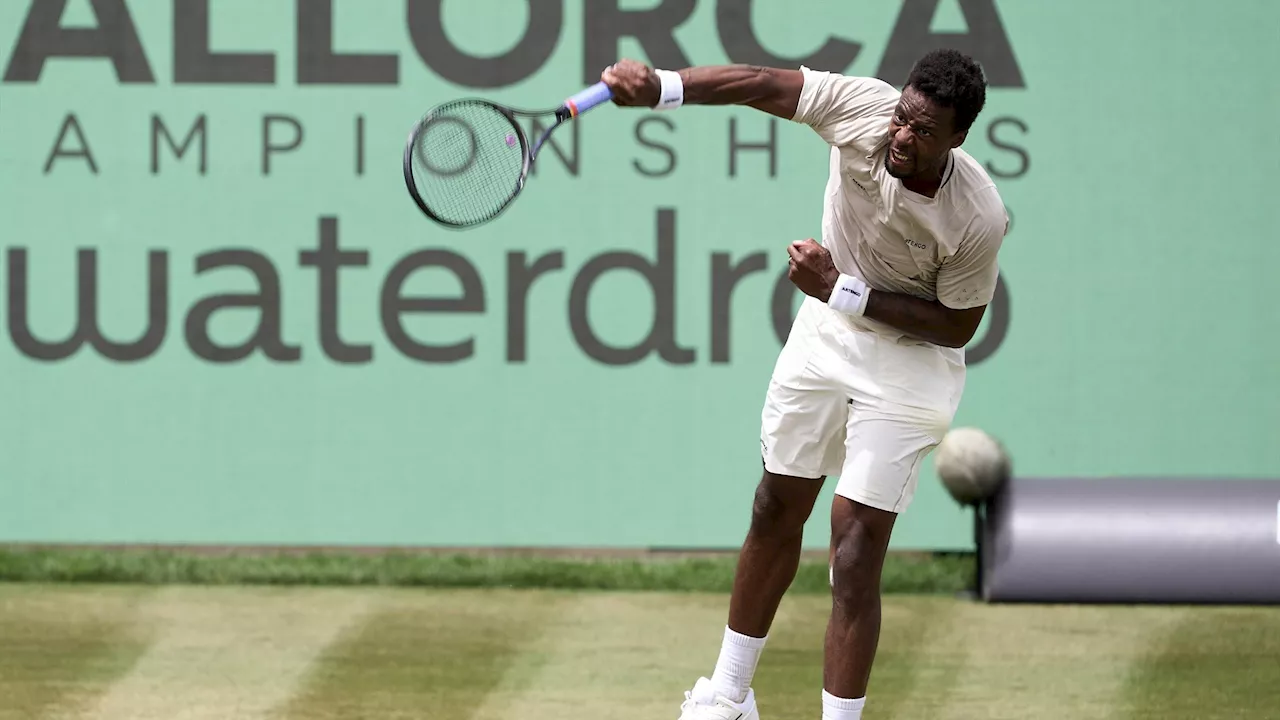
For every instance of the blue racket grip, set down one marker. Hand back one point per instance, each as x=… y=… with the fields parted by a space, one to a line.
x=587 y=99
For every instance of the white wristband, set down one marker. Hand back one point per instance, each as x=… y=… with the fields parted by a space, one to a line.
x=672 y=90
x=849 y=296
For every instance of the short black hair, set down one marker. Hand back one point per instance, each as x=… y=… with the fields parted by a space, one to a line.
x=951 y=79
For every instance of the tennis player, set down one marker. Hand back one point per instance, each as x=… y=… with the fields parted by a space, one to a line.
x=873 y=369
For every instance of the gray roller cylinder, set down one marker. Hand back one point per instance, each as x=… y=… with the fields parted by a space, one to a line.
x=1132 y=540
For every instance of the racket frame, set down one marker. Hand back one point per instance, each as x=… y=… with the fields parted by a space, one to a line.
x=571 y=108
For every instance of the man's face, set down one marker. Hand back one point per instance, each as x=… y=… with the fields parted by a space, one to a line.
x=921 y=134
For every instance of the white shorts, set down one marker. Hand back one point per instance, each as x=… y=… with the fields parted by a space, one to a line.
x=857 y=405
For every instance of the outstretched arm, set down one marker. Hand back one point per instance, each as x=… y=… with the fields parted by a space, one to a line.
x=827 y=102
x=772 y=90
x=775 y=91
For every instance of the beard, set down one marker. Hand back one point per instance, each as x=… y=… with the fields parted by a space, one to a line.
x=903 y=171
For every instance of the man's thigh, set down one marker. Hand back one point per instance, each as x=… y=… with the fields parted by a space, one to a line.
x=802 y=431
x=902 y=402
x=883 y=455
x=805 y=414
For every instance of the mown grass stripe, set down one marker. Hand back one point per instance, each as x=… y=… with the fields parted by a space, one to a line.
x=904 y=664
x=1029 y=661
x=789 y=679
x=618 y=655
x=477 y=654
x=221 y=652
x=428 y=655
x=1215 y=664
x=59 y=651
x=902 y=574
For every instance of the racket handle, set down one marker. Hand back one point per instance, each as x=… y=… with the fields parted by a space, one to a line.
x=587 y=99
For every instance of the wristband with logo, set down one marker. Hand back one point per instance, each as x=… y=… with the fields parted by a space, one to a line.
x=849 y=296
x=672 y=90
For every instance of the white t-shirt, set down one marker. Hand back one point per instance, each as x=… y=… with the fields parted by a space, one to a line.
x=941 y=248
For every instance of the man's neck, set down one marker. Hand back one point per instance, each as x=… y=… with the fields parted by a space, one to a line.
x=927 y=183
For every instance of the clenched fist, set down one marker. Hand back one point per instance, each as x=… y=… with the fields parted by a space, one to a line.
x=634 y=84
x=811 y=269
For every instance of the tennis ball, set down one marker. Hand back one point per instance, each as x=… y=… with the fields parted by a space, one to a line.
x=972 y=465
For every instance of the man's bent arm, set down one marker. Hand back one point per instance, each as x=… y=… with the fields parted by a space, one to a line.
x=928 y=320
x=772 y=90
x=970 y=276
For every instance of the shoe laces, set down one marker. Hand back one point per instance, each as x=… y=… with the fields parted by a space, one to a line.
x=712 y=708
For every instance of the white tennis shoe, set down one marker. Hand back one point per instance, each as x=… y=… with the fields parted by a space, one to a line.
x=705 y=703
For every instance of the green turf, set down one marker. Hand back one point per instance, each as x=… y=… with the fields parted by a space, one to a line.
x=790 y=679
x=1216 y=664
x=902 y=573
x=61 y=650
x=422 y=652
x=289 y=653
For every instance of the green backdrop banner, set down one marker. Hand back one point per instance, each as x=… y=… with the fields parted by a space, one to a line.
x=226 y=322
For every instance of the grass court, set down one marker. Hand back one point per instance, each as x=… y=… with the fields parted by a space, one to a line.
x=137 y=640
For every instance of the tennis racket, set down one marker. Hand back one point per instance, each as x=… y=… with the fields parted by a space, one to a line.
x=466 y=161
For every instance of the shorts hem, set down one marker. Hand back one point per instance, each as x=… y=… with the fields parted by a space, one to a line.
x=792 y=471
x=858 y=496
x=906 y=494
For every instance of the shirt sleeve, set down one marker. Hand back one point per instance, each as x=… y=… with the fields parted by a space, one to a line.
x=838 y=107
x=968 y=278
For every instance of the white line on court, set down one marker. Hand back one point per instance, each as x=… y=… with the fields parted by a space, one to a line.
x=225 y=654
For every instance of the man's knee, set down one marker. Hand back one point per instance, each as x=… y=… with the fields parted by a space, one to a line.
x=782 y=505
x=860 y=541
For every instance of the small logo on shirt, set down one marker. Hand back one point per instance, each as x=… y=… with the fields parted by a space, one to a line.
x=916 y=244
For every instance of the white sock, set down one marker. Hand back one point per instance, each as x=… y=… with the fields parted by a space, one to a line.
x=834 y=708
x=739 y=655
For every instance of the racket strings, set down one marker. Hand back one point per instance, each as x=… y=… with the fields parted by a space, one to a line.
x=467 y=162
